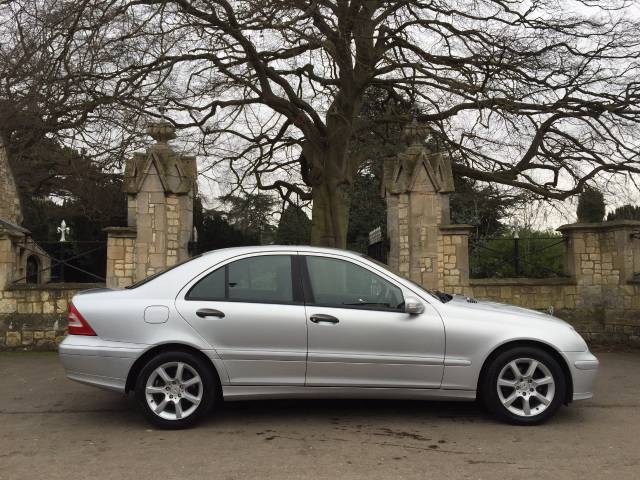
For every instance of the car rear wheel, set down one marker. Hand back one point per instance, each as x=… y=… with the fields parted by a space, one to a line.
x=175 y=390
x=524 y=386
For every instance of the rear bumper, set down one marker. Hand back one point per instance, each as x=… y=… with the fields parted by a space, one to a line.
x=584 y=368
x=98 y=362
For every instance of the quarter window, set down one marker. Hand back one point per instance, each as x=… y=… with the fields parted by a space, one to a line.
x=210 y=287
x=338 y=283
x=263 y=279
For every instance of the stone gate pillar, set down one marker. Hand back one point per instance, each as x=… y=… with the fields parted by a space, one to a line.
x=417 y=184
x=160 y=185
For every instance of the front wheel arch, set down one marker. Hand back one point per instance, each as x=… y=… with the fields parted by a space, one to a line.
x=528 y=343
x=141 y=361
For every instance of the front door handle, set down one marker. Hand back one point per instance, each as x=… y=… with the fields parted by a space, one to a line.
x=321 y=317
x=209 y=312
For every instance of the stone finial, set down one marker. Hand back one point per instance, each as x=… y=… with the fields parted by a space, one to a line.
x=176 y=173
x=162 y=131
x=422 y=166
x=415 y=133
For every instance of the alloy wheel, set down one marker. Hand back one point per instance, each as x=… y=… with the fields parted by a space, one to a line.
x=526 y=387
x=174 y=390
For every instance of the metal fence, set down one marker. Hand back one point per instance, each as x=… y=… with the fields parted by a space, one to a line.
x=378 y=247
x=533 y=257
x=71 y=262
x=378 y=251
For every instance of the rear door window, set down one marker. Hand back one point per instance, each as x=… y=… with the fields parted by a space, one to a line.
x=262 y=279
x=265 y=279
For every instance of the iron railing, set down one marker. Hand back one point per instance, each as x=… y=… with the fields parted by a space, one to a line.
x=73 y=261
x=379 y=251
x=533 y=257
x=378 y=245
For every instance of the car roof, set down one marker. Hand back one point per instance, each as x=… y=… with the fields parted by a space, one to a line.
x=232 y=251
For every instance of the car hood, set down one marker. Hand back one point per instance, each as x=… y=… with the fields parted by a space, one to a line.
x=472 y=304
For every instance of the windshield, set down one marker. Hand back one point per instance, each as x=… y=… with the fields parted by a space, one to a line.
x=437 y=294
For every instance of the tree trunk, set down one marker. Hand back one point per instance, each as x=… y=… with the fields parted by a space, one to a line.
x=330 y=213
x=333 y=173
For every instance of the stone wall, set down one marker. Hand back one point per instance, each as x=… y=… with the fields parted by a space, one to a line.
x=598 y=323
x=600 y=295
x=35 y=316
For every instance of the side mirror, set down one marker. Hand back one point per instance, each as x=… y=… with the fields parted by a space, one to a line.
x=413 y=306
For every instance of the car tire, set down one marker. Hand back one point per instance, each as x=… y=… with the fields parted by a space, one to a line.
x=524 y=386
x=176 y=389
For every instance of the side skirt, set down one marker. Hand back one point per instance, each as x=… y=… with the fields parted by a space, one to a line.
x=248 y=392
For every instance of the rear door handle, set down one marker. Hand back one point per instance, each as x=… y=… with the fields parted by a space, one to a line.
x=209 y=312
x=321 y=317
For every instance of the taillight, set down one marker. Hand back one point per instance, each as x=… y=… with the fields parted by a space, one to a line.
x=77 y=324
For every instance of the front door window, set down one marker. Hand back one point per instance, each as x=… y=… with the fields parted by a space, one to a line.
x=341 y=284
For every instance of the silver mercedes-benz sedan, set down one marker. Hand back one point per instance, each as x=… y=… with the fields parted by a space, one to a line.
x=304 y=322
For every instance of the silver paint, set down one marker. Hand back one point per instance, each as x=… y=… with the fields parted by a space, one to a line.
x=275 y=351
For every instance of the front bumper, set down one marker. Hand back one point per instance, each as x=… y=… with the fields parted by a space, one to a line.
x=584 y=368
x=98 y=362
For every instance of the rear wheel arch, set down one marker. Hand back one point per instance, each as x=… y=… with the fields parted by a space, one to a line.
x=139 y=364
x=528 y=343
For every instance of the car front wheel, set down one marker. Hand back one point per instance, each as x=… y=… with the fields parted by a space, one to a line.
x=175 y=390
x=524 y=386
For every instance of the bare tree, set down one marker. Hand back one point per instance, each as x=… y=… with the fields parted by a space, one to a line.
x=536 y=94
x=49 y=90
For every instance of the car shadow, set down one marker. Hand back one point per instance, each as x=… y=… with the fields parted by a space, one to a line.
x=123 y=410
x=332 y=409
x=368 y=411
